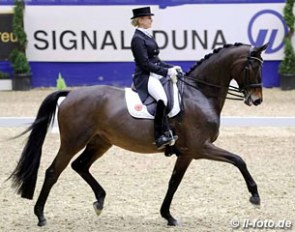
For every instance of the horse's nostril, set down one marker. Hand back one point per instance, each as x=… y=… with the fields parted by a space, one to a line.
x=257 y=102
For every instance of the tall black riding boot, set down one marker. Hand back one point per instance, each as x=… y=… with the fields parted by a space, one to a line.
x=163 y=134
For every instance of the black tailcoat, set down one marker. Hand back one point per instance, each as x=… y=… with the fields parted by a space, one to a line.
x=145 y=52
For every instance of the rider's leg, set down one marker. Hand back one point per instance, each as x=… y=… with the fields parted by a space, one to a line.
x=163 y=135
x=156 y=89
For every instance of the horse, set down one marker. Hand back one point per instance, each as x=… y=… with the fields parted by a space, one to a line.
x=92 y=119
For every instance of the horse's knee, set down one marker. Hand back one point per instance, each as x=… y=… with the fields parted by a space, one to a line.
x=79 y=165
x=76 y=165
x=51 y=176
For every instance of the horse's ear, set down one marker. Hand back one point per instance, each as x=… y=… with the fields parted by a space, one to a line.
x=262 y=48
x=256 y=51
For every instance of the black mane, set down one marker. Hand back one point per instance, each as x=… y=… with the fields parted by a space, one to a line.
x=206 y=57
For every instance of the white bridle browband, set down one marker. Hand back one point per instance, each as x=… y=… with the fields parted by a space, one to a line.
x=256 y=58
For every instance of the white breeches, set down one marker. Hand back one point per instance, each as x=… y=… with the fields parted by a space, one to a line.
x=156 y=89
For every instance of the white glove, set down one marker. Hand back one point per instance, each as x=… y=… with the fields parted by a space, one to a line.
x=172 y=74
x=179 y=69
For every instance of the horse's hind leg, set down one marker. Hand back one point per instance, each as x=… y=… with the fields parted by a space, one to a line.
x=215 y=153
x=94 y=150
x=52 y=173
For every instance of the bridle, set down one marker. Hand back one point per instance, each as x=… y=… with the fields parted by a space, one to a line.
x=239 y=93
x=246 y=72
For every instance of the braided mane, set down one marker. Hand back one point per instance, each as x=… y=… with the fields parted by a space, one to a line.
x=206 y=57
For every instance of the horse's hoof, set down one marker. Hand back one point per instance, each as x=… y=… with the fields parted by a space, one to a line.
x=98 y=207
x=255 y=200
x=42 y=222
x=172 y=222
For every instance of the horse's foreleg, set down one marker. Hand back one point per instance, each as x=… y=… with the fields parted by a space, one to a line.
x=94 y=150
x=179 y=170
x=51 y=176
x=215 y=153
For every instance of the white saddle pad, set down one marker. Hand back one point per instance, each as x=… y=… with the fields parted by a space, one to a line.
x=138 y=110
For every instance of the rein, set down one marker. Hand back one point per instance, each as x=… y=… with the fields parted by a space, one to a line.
x=238 y=93
x=232 y=90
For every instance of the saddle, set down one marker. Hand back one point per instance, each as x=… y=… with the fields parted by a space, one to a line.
x=147 y=109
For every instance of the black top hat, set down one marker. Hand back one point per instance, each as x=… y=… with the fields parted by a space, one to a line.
x=139 y=12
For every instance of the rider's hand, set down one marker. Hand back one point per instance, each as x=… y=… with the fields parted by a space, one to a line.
x=178 y=69
x=172 y=74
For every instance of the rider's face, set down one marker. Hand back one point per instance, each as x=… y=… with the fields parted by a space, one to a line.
x=145 y=22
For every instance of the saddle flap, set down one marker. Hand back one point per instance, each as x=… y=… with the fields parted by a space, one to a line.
x=137 y=109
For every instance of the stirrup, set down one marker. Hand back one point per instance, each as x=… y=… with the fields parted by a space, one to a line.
x=167 y=139
x=170 y=134
x=163 y=141
x=174 y=138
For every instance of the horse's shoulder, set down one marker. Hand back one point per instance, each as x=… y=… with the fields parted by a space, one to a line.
x=203 y=108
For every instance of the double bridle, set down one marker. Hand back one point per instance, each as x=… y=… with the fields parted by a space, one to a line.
x=232 y=90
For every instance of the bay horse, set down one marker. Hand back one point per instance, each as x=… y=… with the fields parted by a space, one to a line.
x=95 y=118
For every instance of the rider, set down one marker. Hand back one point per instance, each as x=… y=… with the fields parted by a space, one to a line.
x=148 y=72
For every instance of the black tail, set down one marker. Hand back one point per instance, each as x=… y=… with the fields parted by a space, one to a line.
x=24 y=176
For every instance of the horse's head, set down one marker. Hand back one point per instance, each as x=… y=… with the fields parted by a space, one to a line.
x=248 y=74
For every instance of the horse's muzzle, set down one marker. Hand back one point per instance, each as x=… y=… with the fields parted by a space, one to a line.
x=253 y=98
x=257 y=102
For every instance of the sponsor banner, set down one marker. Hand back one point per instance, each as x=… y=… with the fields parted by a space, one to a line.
x=7 y=38
x=184 y=33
